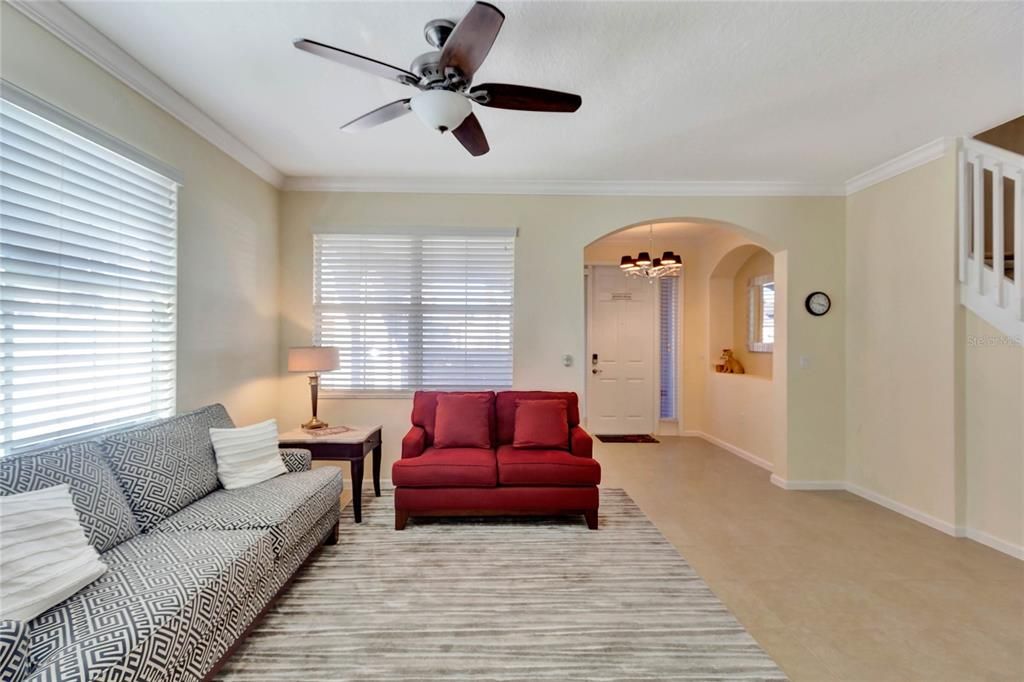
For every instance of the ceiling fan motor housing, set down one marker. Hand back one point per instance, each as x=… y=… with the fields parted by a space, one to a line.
x=428 y=67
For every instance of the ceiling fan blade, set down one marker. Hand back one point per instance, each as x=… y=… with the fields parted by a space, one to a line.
x=357 y=61
x=472 y=137
x=379 y=115
x=471 y=40
x=524 y=98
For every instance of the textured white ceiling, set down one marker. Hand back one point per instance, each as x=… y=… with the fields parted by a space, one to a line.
x=803 y=92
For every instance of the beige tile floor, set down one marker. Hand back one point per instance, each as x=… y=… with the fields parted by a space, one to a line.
x=834 y=587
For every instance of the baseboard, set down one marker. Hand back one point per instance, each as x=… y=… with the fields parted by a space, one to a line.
x=908 y=511
x=807 y=485
x=1016 y=551
x=739 y=452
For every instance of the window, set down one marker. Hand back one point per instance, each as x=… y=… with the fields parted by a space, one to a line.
x=761 y=330
x=87 y=279
x=415 y=309
x=668 y=313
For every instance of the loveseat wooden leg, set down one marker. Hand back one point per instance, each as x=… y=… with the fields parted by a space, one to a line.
x=591 y=517
x=401 y=518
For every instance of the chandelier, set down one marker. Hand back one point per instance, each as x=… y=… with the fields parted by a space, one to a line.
x=645 y=267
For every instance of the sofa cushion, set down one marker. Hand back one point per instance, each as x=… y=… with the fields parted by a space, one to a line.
x=541 y=424
x=166 y=465
x=505 y=409
x=545 y=467
x=162 y=597
x=99 y=501
x=463 y=420
x=285 y=506
x=447 y=467
x=424 y=410
x=14 y=642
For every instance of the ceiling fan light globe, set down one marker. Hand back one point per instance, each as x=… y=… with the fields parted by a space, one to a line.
x=441 y=109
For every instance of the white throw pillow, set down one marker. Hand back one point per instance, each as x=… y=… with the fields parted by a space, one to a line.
x=44 y=555
x=247 y=455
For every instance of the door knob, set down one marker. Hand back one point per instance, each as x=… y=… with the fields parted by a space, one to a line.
x=596 y=371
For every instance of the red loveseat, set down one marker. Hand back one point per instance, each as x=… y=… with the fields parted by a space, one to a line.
x=494 y=477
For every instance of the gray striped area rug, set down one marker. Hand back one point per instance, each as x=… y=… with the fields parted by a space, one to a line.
x=500 y=599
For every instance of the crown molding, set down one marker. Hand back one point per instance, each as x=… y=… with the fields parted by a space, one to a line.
x=62 y=22
x=901 y=164
x=560 y=187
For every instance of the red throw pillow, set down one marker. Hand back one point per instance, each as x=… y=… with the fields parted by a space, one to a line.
x=541 y=424
x=462 y=421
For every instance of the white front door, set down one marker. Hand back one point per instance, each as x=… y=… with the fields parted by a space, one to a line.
x=620 y=353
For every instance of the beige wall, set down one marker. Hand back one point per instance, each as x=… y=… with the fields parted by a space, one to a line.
x=994 y=367
x=759 y=364
x=553 y=232
x=227 y=224
x=903 y=329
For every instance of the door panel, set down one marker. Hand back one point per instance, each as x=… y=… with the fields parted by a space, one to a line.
x=620 y=393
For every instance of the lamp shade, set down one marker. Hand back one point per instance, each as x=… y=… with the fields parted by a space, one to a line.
x=312 y=359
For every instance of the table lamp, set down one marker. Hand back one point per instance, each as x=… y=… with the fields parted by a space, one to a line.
x=313 y=360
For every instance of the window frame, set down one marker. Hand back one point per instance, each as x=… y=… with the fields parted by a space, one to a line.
x=171 y=182
x=755 y=314
x=317 y=334
x=671 y=367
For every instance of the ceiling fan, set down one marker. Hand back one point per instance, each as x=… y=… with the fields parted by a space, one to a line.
x=444 y=78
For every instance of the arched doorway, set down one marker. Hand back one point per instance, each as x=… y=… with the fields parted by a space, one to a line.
x=660 y=341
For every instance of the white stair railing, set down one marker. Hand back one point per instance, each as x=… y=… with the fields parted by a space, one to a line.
x=985 y=286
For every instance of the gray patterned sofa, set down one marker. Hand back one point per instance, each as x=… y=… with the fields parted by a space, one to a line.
x=191 y=566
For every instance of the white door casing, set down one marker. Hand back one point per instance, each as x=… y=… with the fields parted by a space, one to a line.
x=620 y=386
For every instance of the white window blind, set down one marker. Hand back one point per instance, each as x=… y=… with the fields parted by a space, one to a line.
x=415 y=310
x=668 y=313
x=87 y=282
x=761 y=315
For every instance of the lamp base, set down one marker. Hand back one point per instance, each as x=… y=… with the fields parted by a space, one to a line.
x=314 y=424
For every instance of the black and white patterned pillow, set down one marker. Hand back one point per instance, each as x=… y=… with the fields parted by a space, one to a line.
x=296 y=459
x=102 y=507
x=166 y=465
x=14 y=641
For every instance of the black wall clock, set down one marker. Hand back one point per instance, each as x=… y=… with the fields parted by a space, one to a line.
x=818 y=303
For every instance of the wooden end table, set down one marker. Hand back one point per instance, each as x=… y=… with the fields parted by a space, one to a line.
x=351 y=446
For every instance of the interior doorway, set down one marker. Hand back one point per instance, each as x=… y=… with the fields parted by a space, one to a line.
x=621 y=343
